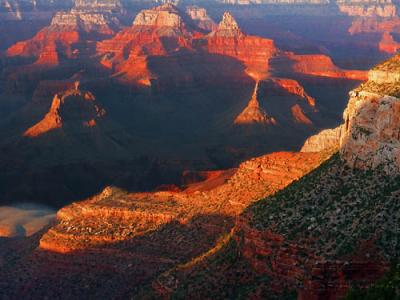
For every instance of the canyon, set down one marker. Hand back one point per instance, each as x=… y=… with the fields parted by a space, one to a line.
x=157 y=70
x=225 y=149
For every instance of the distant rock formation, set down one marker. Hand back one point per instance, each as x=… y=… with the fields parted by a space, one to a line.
x=385 y=10
x=253 y=113
x=388 y=44
x=200 y=18
x=253 y=51
x=61 y=37
x=72 y=107
x=293 y=87
x=321 y=65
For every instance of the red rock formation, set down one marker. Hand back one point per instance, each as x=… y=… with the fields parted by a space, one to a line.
x=46 y=46
x=64 y=32
x=154 y=32
x=115 y=216
x=200 y=18
x=386 y=10
x=71 y=105
x=299 y=115
x=322 y=65
x=388 y=44
x=294 y=87
x=253 y=51
x=253 y=113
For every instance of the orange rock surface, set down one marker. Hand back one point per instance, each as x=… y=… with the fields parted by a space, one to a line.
x=322 y=65
x=253 y=113
x=124 y=216
x=388 y=44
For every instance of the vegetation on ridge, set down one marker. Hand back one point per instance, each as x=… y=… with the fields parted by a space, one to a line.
x=334 y=208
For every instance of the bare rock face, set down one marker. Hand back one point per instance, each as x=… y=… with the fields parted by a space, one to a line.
x=294 y=87
x=228 y=27
x=253 y=113
x=371 y=135
x=325 y=140
x=255 y=52
x=388 y=44
x=200 y=18
x=72 y=107
x=319 y=65
x=100 y=6
x=166 y=15
x=386 y=10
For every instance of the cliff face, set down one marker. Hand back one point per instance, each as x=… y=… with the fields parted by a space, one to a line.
x=318 y=65
x=371 y=132
x=369 y=136
x=254 y=52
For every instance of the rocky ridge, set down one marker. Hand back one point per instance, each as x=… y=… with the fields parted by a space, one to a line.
x=136 y=227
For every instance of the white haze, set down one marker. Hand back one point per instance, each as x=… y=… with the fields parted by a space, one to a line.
x=24 y=219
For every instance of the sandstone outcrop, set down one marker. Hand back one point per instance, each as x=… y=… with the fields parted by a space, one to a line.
x=253 y=113
x=159 y=31
x=294 y=87
x=324 y=140
x=72 y=106
x=388 y=44
x=253 y=51
x=370 y=135
x=320 y=65
x=118 y=210
x=200 y=18
x=371 y=10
